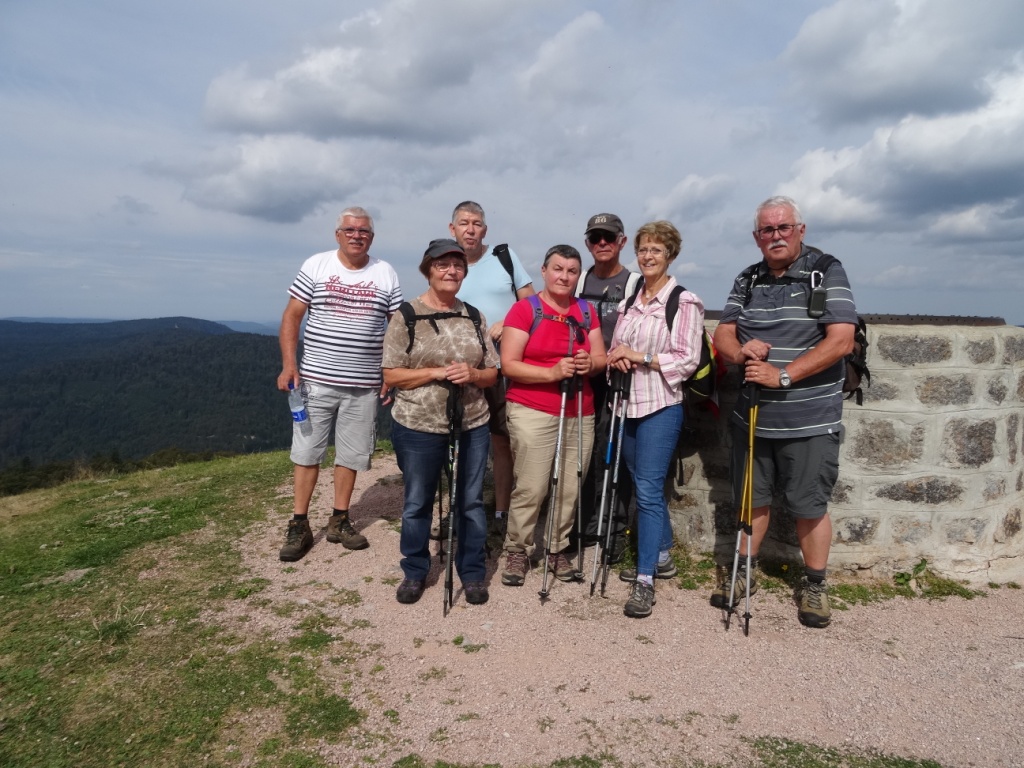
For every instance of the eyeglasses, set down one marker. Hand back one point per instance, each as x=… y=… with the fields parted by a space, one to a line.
x=767 y=233
x=351 y=232
x=650 y=249
x=445 y=266
x=599 y=235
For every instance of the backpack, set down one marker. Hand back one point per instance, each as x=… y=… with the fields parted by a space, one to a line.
x=409 y=313
x=702 y=386
x=538 y=313
x=857 y=360
x=501 y=251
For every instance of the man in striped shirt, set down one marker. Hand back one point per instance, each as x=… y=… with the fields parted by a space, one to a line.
x=349 y=297
x=796 y=359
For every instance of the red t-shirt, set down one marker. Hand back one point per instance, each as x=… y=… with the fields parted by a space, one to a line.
x=546 y=346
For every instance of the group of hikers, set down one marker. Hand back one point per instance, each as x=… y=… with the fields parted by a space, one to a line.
x=576 y=391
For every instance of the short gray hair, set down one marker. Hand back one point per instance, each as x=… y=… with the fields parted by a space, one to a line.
x=779 y=201
x=470 y=207
x=356 y=213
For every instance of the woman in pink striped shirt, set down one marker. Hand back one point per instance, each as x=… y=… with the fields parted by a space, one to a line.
x=661 y=358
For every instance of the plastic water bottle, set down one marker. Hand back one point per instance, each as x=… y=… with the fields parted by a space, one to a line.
x=298 y=407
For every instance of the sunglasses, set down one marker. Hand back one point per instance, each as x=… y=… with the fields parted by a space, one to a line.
x=599 y=235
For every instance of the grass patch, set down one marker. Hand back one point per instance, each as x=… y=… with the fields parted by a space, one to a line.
x=783 y=753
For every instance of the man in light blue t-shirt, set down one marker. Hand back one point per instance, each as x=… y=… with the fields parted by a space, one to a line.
x=492 y=288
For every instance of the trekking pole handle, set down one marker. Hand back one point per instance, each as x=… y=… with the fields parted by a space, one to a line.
x=754 y=394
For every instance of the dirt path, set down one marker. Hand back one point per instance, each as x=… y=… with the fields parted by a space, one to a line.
x=531 y=683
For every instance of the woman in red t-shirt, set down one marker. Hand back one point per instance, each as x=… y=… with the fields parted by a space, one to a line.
x=537 y=357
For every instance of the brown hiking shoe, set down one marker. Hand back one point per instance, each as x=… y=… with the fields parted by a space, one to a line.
x=814 y=608
x=517 y=565
x=561 y=567
x=720 y=594
x=298 y=541
x=340 y=531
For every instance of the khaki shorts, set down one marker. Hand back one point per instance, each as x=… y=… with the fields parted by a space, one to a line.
x=497 y=423
x=351 y=411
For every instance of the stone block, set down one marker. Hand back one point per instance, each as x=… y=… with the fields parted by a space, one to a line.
x=1013 y=350
x=886 y=444
x=1009 y=527
x=997 y=390
x=855 y=530
x=995 y=488
x=880 y=391
x=981 y=351
x=909 y=530
x=946 y=390
x=922 y=490
x=841 y=492
x=913 y=349
x=969 y=443
x=965 y=530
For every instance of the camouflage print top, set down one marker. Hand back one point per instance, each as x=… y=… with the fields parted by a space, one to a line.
x=455 y=340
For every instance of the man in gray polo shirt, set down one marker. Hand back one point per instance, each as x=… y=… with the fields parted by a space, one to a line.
x=798 y=365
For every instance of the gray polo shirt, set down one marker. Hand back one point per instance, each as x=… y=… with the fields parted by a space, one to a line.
x=777 y=314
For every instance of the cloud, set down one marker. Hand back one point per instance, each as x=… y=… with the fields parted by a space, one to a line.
x=859 y=60
x=926 y=172
x=691 y=199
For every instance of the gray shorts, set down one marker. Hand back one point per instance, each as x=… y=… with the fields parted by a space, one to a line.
x=351 y=411
x=802 y=470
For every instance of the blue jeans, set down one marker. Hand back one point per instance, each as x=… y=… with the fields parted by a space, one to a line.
x=421 y=457
x=655 y=436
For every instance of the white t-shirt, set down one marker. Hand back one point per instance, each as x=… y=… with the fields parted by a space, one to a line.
x=348 y=314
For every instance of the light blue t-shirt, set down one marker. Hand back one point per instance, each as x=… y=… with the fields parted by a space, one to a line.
x=488 y=288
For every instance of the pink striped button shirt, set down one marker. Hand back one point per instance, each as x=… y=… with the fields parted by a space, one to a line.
x=643 y=329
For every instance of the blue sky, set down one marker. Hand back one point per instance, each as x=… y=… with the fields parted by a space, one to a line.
x=185 y=159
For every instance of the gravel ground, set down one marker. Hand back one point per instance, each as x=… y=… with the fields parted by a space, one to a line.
x=531 y=683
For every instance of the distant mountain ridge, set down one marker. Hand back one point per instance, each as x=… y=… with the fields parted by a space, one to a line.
x=133 y=387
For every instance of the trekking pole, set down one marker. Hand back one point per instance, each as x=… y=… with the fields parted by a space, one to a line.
x=746 y=516
x=627 y=382
x=454 y=433
x=579 y=477
x=616 y=389
x=549 y=528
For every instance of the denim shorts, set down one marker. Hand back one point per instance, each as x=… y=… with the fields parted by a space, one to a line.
x=351 y=411
x=803 y=470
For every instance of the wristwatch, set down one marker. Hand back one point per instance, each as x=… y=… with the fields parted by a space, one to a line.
x=648 y=358
x=784 y=380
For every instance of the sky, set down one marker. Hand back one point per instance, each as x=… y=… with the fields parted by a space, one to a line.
x=165 y=159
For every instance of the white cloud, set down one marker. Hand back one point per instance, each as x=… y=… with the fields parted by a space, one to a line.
x=862 y=59
x=691 y=199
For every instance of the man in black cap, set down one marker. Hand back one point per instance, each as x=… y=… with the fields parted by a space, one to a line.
x=605 y=284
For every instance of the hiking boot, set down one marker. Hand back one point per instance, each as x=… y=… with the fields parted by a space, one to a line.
x=410 y=590
x=340 y=531
x=561 y=567
x=298 y=540
x=476 y=592
x=720 y=595
x=517 y=565
x=641 y=600
x=814 y=608
x=661 y=571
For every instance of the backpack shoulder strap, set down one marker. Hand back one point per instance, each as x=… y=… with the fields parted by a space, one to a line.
x=585 y=311
x=632 y=284
x=582 y=282
x=502 y=253
x=538 y=312
x=474 y=315
x=410 y=322
x=672 y=305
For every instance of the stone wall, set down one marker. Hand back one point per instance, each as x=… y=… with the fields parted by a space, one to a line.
x=931 y=466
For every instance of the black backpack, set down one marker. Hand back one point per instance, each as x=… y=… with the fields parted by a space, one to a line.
x=409 y=313
x=703 y=383
x=857 y=360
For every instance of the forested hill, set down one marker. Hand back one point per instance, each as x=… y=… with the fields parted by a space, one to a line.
x=75 y=391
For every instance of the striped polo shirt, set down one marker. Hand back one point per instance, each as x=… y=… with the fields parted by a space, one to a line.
x=777 y=315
